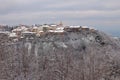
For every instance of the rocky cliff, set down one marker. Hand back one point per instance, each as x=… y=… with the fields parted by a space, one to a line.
x=75 y=55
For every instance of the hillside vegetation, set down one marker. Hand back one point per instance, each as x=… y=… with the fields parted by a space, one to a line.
x=82 y=55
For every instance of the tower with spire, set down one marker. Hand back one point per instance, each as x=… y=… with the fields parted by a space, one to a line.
x=60 y=24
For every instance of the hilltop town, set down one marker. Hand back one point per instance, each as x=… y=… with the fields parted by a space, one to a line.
x=25 y=31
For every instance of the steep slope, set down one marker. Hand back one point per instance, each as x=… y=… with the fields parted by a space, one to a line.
x=75 y=55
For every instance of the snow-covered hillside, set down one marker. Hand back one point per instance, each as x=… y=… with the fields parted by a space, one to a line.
x=80 y=55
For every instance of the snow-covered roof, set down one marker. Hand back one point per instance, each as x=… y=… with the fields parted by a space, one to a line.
x=74 y=26
x=24 y=28
x=85 y=27
x=28 y=32
x=60 y=28
x=41 y=31
x=50 y=30
x=12 y=35
x=93 y=28
x=53 y=25
x=56 y=31
x=45 y=26
x=35 y=27
x=5 y=32
x=21 y=28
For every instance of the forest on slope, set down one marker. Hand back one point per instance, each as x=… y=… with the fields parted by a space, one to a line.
x=81 y=55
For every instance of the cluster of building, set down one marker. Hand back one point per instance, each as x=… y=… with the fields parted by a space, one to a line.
x=22 y=31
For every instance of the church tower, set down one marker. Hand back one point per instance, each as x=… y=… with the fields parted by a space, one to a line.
x=61 y=24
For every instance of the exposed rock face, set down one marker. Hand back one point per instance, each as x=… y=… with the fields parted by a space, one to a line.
x=83 y=55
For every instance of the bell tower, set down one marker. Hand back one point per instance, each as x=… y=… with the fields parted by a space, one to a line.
x=60 y=24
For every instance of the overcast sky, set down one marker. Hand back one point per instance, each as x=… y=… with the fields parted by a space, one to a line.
x=102 y=14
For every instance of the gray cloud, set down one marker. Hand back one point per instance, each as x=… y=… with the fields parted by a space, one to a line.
x=79 y=12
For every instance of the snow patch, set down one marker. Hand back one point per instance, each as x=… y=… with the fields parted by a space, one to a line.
x=61 y=44
x=85 y=39
x=29 y=47
x=36 y=49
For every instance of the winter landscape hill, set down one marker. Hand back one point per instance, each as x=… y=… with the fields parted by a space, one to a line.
x=71 y=55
